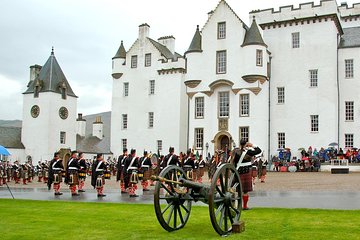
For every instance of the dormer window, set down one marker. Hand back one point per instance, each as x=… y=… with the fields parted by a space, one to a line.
x=221 y=30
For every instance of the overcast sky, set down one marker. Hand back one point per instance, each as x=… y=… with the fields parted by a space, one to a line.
x=86 y=35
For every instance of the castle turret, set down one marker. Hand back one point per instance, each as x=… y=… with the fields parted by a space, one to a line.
x=119 y=61
x=255 y=50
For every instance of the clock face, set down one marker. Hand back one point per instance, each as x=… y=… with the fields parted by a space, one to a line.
x=63 y=112
x=35 y=111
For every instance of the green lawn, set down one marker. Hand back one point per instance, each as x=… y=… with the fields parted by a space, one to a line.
x=23 y=219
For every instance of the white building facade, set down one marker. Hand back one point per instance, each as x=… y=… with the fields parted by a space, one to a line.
x=149 y=102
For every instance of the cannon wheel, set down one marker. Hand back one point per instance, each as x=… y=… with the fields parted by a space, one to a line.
x=225 y=199
x=172 y=207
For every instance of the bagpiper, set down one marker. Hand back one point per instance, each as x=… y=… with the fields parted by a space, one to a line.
x=131 y=172
x=82 y=172
x=120 y=170
x=262 y=168
x=97 y=175
x=72 y=173
x=24 y=173
x=241 y=158
x=16 y=172
x=55 y=173
x=45 y=169
x=145 y=170
x=39 y=171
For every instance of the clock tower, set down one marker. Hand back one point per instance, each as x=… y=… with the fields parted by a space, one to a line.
x=49 y=112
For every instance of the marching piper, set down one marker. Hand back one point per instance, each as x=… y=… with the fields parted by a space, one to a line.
x=39 y=171
x=130 y=172
x=97 y=176
x=241 y=158
x=145 y=169
x=120 y=170
x=55 y=173
x=262 y=168
x=82 y=172
x=72 y=173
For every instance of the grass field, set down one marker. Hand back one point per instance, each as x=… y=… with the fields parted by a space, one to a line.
x=25 y=219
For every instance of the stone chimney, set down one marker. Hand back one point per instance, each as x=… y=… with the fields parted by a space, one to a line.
x=169 y=42
x=98 y=128
x=34 y=71
x=144 y=30
x=80 y=125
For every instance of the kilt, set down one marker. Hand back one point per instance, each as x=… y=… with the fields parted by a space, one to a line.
x=100 y=181
x=246 y=179
x=73 y=177
x=146 y=173
x=263 y=171
x=201 y=171
x=57 y=177
x=254 y=172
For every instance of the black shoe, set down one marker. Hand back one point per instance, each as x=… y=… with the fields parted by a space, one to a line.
x=124 y=192
x=75 y=194
x=134 y=195
x=101 y=195
x=58 y=193
x=246 y=209
x=80 y=190
x=145 y=190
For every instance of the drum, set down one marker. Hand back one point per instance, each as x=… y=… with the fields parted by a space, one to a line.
x=134 y=178
x=292 y=169
x=99 y=181
x=107 y=175
x=283 y=169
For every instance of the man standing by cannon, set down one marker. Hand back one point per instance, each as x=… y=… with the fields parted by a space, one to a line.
x=241 y=158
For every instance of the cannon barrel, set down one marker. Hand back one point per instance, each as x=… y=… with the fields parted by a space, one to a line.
x=192 y=184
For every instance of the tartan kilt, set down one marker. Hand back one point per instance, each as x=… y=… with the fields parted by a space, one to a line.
x=263 y=171
x=201 y=171
x=146 y=174
x=254 y=172
x=246 y=182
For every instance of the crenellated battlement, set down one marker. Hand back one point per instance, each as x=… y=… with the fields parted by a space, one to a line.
x=346 y=11
x=290 y=12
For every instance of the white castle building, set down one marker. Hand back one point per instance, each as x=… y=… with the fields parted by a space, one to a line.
x=289 y=79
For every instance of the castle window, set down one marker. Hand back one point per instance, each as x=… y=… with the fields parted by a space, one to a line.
x=152 y=87
x=349 y=68
x=151 y=119
x=220 y=62
x=313 y=78
x=295 y=40
x=281 y=140
x=126 y=89
x=349 y=111
x=221 y=30
x=349 y=140
x=124 y=143
x=159 y=145
x=314 y=123
x=244 y=134
x=244 y=105
x=281 y=95
x=62 y=137
x=134 y=61
x=199 y=107
x=224 y=104
x=124 y=121
x=199 y=138
x=148 y=60
x=259 y=57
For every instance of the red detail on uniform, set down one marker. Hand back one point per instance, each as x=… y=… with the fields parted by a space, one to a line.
x=100 y=190
x=199 y=180
x=132 y=188
x=81 y=184
x=144 y=184
x=57 y=187
x=122 y=186
x=245 y=199
x=262 y=178
x=39 y=180
x=73 y=189
x=24 y=181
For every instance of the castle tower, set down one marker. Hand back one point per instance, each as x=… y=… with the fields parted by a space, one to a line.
x=49 y=111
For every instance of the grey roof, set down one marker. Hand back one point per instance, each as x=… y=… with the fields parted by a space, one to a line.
x=164 y=50
x=121 y=53
x=10 y=137
x=51 y=78
x=253 y=36
x=91 y=144
x=350 y=38
x=195 y=45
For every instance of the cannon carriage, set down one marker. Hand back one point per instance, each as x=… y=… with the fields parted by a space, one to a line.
x=174 y=194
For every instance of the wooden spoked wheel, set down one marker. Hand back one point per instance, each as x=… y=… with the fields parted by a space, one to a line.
x=225 y=199
x=171 y=201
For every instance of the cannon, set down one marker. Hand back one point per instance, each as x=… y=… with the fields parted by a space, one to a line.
x=174 y=194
